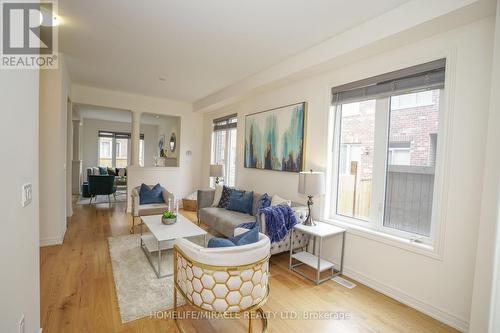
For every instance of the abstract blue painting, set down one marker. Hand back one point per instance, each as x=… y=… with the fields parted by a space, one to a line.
x=274 y=139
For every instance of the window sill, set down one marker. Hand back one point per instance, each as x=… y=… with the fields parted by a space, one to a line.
x=391 y=240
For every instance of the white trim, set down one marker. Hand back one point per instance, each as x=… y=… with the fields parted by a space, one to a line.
x=387 y=239
x=461 y=324
x=51 y=241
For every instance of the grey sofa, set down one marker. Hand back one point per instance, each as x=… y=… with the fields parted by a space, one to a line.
x=225 y=221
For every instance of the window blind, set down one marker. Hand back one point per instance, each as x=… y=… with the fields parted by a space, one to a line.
x=426 y=76
x=226 y=122
x=117 y=135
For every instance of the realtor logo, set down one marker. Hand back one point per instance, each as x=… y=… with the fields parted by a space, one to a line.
x=29 y=35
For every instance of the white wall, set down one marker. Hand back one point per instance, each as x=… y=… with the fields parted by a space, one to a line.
x=150 y=143
x=181 y=180
x=441 y=287
x=54 y=93
x=19 y=248
x=167 y=126
x=485 y=308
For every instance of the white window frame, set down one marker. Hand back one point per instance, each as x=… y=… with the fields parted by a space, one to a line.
x=114 y=150
x=415 y=104
x=375 y=226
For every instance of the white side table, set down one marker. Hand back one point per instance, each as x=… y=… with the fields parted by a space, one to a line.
x=320 y=230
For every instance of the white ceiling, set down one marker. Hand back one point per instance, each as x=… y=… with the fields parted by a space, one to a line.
x=198 y=46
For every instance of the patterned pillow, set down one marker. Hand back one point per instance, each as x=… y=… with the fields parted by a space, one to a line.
x=264 y=202
x=224 y=198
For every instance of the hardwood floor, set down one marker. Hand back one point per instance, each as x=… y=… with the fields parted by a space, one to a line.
x=78 y=291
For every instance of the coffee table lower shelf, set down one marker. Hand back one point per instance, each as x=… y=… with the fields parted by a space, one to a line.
x=150 y=244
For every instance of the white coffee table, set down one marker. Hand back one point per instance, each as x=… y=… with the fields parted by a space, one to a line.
x=161 y=237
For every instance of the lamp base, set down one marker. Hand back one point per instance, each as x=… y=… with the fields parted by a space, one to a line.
x=309 y=221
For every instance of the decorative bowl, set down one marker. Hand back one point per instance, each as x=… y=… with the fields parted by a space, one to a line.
x=169 y=221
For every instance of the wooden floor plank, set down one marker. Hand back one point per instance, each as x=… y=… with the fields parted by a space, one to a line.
x=78 y=292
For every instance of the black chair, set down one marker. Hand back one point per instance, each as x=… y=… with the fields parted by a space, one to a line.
x=101 y=185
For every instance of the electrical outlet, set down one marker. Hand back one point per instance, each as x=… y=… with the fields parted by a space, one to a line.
x=27 y=194
x=21 y=324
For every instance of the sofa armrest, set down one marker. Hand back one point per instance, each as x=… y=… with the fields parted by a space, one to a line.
x=299 y=211
x=166 y=196
x=205 y=198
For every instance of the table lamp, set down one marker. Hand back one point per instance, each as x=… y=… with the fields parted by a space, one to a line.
x=217 y=171
x=311 y=183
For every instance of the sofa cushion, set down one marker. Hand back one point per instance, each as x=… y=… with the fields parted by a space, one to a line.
x=217 y=195
x=263 y=202
x=151 y=209
x=222 y=220
x=149 y=195
x=103 y=171
x=277 y=200
x=224 y=199
x=219 y=242
x=256 y=197
x=248 y=237
x=241 y=201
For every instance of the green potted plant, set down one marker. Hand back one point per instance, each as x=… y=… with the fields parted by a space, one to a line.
x=168 y=217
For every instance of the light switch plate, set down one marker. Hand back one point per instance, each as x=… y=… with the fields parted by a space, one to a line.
x=21 y=325
x=27 y=194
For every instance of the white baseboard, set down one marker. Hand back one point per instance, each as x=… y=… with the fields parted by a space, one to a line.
x=51 y=241
x=452 y=320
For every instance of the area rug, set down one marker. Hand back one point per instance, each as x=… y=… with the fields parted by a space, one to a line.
x=140 y=293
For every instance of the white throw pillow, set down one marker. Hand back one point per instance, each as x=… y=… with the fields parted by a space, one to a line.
x=277 y=200
x=217 y=195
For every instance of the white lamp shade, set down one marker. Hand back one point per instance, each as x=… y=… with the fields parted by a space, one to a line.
x=312 y=183
x=216 y=170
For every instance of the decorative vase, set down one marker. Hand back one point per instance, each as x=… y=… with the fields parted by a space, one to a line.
x=171 y=220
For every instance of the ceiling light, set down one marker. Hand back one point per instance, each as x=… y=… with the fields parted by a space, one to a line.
x=48 y=17
x=56 y=20
x=162 y=78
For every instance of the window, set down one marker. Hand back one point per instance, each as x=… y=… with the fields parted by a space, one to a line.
x=399 y=153
x=385 y=143
x=114 y=149
x=105 y=152
x=141 y=152
x=224 y=147
x=356 y=158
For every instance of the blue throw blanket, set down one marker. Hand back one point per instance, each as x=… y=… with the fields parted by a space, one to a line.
x=279 y=221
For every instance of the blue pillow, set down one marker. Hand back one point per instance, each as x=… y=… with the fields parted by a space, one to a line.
x=150 y=195
x=241 y=201
x=103 y=171
x=219 y=242
x=249 y=237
